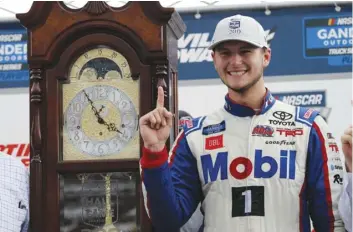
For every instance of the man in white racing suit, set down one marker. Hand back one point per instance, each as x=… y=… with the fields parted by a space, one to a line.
x=256 y=164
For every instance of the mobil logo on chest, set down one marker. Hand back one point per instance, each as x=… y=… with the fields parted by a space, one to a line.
x=215 y=167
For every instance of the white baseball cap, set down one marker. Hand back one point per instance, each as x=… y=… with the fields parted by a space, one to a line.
x=239 y=27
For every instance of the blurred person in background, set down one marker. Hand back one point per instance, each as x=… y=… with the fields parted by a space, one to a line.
x=14 y=194
x=345 y=204
x=185 y=119
x=195 y=223
x=255 y=164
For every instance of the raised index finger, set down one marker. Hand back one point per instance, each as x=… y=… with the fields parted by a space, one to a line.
x=160 y=97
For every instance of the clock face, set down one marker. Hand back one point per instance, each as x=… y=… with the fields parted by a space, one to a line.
x=101 y=120
x=100 y=107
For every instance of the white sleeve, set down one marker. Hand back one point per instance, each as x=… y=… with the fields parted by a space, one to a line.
x=25 y=197
x=345 y=203
x=195 y=223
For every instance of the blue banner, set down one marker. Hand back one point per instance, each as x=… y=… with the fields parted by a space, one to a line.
x=302 y=40
x=329 y=37
x=13 y=56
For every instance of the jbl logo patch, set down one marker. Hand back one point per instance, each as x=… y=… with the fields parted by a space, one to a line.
x=214 y=142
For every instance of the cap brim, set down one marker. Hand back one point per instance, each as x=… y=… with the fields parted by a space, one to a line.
x=243 y=40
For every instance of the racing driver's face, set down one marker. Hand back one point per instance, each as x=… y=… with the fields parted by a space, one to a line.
x=240 y=65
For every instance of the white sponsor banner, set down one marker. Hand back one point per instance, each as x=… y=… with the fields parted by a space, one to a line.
x=202 y=97
x=197 y=98
x=14 y=123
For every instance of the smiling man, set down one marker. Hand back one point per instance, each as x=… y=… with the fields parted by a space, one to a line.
x=255 y=164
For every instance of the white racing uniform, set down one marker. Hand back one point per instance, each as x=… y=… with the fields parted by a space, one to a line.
x=265 y=172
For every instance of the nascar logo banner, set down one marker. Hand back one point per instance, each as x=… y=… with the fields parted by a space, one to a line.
x=329 y=37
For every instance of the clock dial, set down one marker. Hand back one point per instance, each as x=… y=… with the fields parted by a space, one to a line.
x=100 y=107
x=101 y=120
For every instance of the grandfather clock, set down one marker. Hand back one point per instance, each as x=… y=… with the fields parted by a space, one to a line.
x=93 y=72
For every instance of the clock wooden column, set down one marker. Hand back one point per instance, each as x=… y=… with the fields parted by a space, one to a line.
x=93 y=72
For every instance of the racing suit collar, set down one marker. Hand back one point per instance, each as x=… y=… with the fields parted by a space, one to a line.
x=244 y=111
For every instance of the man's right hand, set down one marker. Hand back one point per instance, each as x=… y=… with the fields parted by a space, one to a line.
x=155 y=126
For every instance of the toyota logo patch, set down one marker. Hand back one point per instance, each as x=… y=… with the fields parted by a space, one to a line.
x=281 y=115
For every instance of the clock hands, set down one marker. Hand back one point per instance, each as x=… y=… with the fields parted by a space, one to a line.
x=110 y=126
x=96 y=113
x=100 y=110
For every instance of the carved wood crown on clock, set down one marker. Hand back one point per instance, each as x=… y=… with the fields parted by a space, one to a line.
x=97 y=15
x=96 y=8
